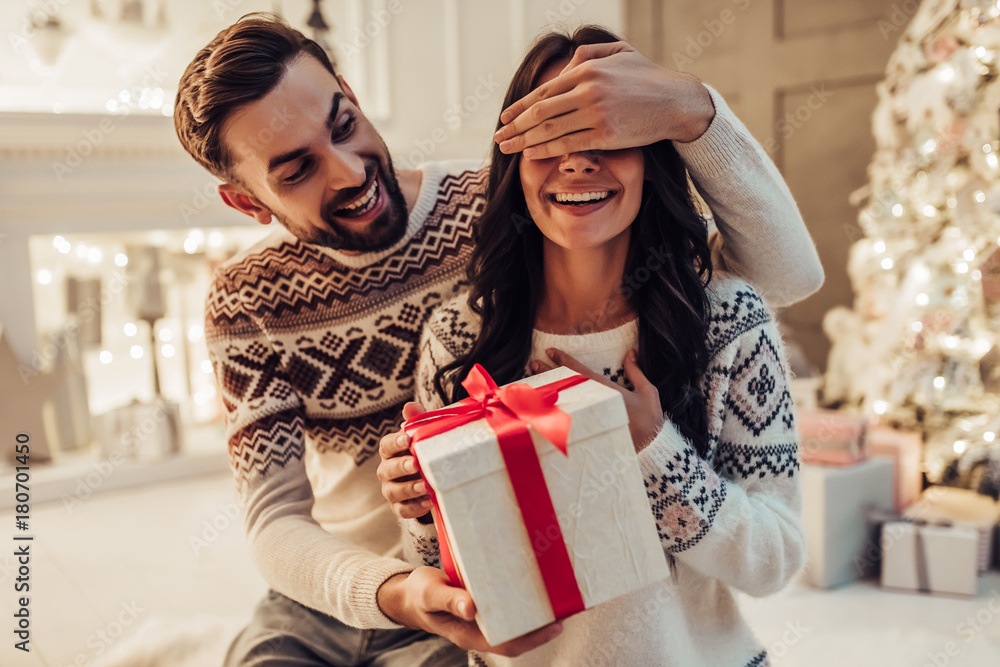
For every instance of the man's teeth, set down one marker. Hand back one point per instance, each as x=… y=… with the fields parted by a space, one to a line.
x=364 y=199
x=565 y=198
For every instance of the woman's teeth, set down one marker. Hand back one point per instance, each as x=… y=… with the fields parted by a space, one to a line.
x=362 y=204
x=580 y=197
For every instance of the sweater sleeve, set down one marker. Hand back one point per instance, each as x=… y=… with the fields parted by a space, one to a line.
x=735 y=519
x=265 y=429
x=761 y=235
x=420 y=545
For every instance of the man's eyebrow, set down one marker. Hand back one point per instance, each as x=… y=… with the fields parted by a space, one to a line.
x=287 y=157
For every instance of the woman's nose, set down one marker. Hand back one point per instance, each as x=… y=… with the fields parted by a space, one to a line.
x=584 y=162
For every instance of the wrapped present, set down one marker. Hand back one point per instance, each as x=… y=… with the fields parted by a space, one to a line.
x=538 y=499
x=906 y=450
x=950 y=504
x=834 y=506
x=829 y=437
x=930 y=557
x=146 y=432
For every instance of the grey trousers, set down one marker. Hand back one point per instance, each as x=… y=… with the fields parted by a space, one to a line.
x=283 y=632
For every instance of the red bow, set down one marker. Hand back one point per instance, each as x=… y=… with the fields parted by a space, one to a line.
x=509 y=411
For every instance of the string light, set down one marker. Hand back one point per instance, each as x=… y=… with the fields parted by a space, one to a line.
x=879 y=246
x=980 y=196
x=121 y=259
x=988 y=436
x=130 y=329
x=897 y=210
x=959 y=446
x=929 y=210
x=106 y=357
x=939 y=382
x=923 y=299
x=887 y=263
x=136 y=351
x=880 y=407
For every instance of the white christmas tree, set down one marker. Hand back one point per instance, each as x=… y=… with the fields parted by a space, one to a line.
x=919 y=347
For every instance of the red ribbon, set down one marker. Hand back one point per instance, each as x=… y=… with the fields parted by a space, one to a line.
x=509 y=411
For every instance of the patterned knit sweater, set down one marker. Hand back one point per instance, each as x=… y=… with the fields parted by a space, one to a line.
x=315 y=352
x=729 y=520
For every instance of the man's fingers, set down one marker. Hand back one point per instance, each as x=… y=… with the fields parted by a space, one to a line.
x=541 y=112
x=551 y=88
x=540 y=367
x=575 y=142
x=549 y=130
x=591 y=51
x=398 y=469
x=398 y=492
x=394 y=444
x=443 y=597
x=411 y=410
x=412 y=509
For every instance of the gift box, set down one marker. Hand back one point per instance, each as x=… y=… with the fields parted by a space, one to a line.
x=834 y=506
x=829 y=437
x=906 y=450
x=931 y=558
x=940 y=504
x=539 y=502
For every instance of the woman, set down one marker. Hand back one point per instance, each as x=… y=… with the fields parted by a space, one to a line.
x=599 y=261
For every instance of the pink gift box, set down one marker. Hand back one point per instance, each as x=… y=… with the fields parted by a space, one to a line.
x=829 y=437
x=906 y=451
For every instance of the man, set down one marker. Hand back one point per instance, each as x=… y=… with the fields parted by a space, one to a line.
x=313 y=332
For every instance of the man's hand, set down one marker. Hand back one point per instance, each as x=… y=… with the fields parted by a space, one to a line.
x=645 y=416
x=402 y=484
x=608 y=97
x=423 y=599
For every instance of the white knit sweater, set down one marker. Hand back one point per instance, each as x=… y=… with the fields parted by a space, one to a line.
x=729 y=520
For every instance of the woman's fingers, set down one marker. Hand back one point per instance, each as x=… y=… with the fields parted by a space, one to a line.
x=638 y=379
x=567 y=360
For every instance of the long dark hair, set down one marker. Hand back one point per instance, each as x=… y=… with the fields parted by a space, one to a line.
x=506 y=277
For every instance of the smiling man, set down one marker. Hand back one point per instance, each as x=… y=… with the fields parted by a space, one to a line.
x=313 y=332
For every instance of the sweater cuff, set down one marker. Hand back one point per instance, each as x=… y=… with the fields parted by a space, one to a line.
x=363 y=592
x=666 y=450
x=712 y=154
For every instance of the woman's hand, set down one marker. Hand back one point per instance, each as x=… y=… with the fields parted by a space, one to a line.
x=402 y=484
x=645 y=416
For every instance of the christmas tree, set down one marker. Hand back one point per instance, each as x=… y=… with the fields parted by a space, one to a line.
x=919 y=348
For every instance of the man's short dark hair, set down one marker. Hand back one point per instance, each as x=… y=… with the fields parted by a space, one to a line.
x=241 y=65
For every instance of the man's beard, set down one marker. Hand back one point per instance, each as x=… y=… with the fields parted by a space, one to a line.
x=383 y=232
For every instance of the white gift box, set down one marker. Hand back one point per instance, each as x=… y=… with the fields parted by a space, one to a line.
x=944 y=503
x=596 y=489
x=930 y=558
x=834 y=502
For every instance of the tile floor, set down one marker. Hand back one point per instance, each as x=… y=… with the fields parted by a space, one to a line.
x=149 y=562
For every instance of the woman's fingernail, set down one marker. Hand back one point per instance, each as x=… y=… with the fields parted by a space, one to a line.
x=409 y=466
x=530 y=153
x=420 y=488
x=402 y=440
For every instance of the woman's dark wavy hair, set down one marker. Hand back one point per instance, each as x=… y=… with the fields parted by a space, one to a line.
x=506 y=277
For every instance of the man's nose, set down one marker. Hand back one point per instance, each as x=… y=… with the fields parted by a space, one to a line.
x=344 y=169
x=584 y=162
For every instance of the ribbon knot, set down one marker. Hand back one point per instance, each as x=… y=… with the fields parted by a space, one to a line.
x=509 y=410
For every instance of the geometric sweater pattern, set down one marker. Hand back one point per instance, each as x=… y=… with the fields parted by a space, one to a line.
x=727 y=521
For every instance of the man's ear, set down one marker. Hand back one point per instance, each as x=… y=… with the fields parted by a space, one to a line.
x=347 y=91
x=238 y=198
